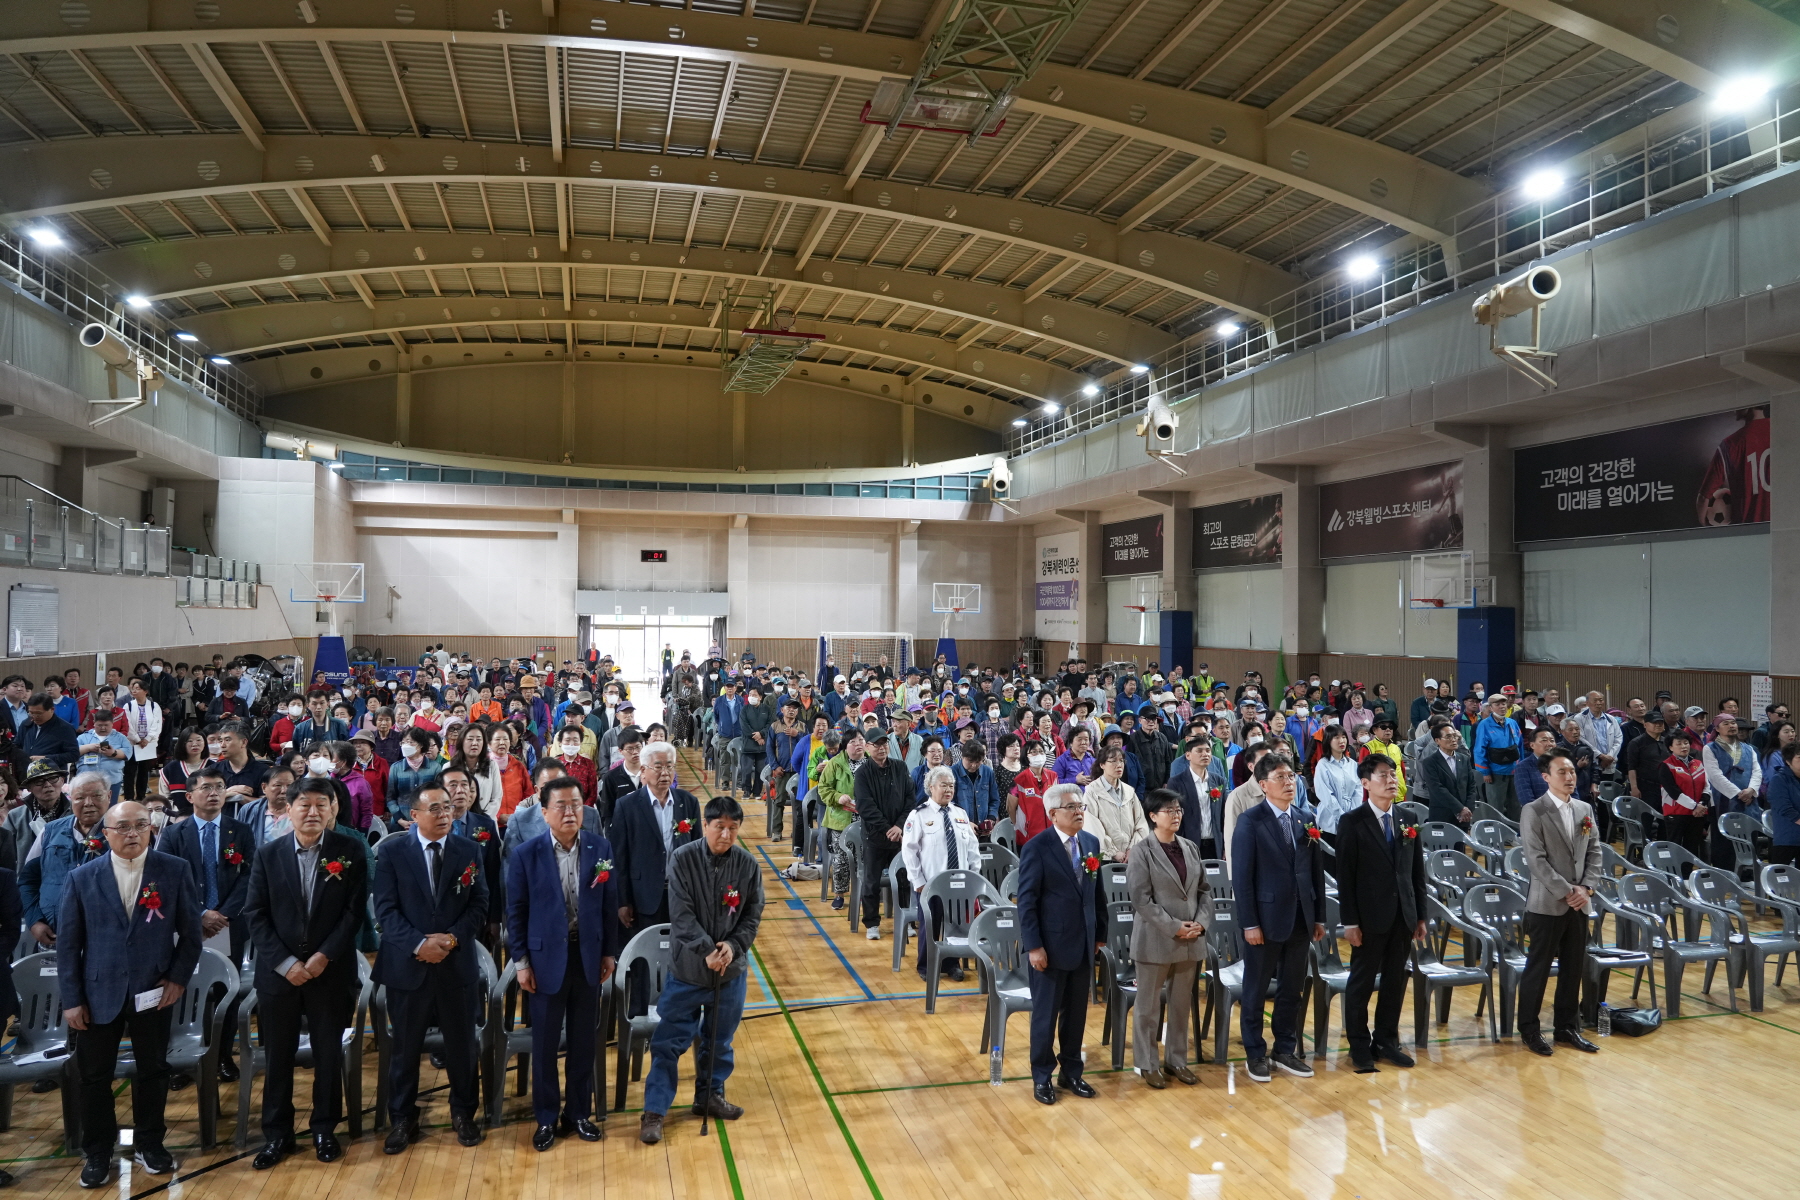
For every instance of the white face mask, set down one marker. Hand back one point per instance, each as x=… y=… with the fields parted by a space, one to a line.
x=1254 y=739
x=612 y=702
x=1038 y=760
x=993 y=714
x=411 y=751
x=318 y=765
x=570 y=748
x=295 y=711
x=1362 y=739
x=156 y=668
x=214 y=749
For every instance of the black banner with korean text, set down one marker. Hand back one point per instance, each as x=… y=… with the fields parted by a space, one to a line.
x=1132 y=547
x=1405 y=512
x=1244 y=533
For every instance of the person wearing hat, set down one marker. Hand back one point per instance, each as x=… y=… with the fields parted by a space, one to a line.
x=66 y=845
x=1384 y=741
x=624 y=717
x=1734 y=779
x=26 y=821
x=1495 y=750
x=1643 y=757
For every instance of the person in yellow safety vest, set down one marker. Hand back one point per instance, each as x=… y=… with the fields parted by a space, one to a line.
x=1381 y=741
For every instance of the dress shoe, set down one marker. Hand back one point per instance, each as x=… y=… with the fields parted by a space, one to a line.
x=403 y=1134
x=1078 y=1086
x=1043 y=1093
x=228 y=1071
x=44 y=1085
x=272 y=1153
x=437 y=1062
x=96 y=1171
x=1257 y=1069
x=956 y=973
x=1535 y=1043
x=1154 y=1078
x=1180 y=1071
x=1293 y=1064
x=717 y=1107
x=1391 y=1052
x=6 y=1179
x=1572 y=1037
x=326 y=1148
x=155 y=1160
x=1362 y=1062
x=543 y=1138
x=650 y=1128
x=468 y=1133
x=581 y=1127
x=179 y=1080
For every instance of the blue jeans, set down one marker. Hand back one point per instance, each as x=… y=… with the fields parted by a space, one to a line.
x=680 y=1007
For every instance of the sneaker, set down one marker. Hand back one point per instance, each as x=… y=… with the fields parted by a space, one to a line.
x=650 y=1128
x=96 y=1171
x=874 y=933
x=1293 y=1064
x=837 y=902
x=1258 y=1070
x=154 y=1159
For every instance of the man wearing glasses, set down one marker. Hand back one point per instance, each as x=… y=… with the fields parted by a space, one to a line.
x=431 y=900
x=119 y=978
x=1062 y=913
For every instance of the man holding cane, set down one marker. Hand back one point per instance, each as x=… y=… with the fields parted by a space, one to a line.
x=715 y=906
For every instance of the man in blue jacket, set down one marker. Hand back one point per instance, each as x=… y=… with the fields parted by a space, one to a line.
x=562 y=931
x=1278 y=878
x=128 y=940
x=66 y=844
x=431 y=900
x=726 y=732
x=1784 y=804
x=977 y=793
x=1498 y=745
x=45 y=735
x=1062 y=917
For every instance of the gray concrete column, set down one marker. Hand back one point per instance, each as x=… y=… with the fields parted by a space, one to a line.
x=1178 y=588
x=737 y=578
x=76 y=480
x=904 y=586
x=1488 y=511
x=1784 y=530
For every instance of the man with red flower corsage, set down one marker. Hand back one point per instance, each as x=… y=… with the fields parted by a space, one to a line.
x=1562 y=856
x=715 y=906
x=431 y=901
x=648 y=826
x=1381 y=898
x=1062 y=920
x=66 y=844
x=119 y=979
x=562 y=929
x=1278 y=878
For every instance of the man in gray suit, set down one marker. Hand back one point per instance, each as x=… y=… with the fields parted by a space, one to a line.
x=1562 y=853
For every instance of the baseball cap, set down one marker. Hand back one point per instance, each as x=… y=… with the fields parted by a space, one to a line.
x=1694 y=711
x=1432 y=684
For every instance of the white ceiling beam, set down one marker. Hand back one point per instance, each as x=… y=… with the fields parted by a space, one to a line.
x=211 y=70
x=310 y=211
x=1372 y=41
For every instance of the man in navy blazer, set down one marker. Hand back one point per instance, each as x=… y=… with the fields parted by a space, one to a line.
x=647 y=827
x=1062 y=917
x=218 y=850
x=1202 y=815
x=1278 y=882
x=127 y=941
x=479 y=828
x=431 y=902
x=562 y=929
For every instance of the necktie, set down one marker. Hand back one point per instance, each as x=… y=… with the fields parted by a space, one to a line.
x=1387 y=825
x=1075 y=855
x=435 y=863
x=950 y=842
x=209 y=852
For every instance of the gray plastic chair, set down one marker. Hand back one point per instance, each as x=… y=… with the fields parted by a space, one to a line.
x=1218 y=876
x=1483 y=811
x=1442 y=835
x=1457 y=870
x=1118 y=979
x=41 y=1050
x=1009 y=887
x=963 y=894
x=906 y=919
x=1000 y=957
x=253 y=1059
x=1006 y=834
x=1654 y=905
x=195 y=1037
x=1224 y=975
x=1672 y=861
x=434 y=1039
x=1331 y=975
x=778 y=806
x=1640 y=823
x=1420 y=813
x=648 y=953
x=1751 y=949
x=1781 y=881
x=997 y=862
x=850 y=842
x=1500 y=911
x=1740 y=829
x=1435 y=978
x=1516 y=869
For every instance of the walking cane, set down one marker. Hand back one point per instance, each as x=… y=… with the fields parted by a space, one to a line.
x=712 y=1050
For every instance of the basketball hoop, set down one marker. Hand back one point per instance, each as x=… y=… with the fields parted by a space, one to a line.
x=1429 y=601
x=1140 y=609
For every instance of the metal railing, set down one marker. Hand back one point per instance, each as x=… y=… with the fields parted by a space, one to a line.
x=64 y=283
x=41 y=529
x=1491 y=240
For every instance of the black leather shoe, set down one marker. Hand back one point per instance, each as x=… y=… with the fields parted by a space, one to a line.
x=272 y=1153
x=402 y=1135
x=956 y=972
x=44 y=1085
x=1572 y=1037
x=326 y=1148
x=1079 y=1087
x=6 y=1179
x=228 y=1071
x=468 y=1133
x=544 y=1138
x=96 y=1171
x=155 y=1160
x=437 y=1062
x=1043 y=1093
x=1363 y=1062
x=1391 y=1052
x=586 y=1129
x=1535 y=1043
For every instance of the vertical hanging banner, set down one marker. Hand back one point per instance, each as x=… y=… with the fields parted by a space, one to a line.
x=1132 y=547
x=1058 y=578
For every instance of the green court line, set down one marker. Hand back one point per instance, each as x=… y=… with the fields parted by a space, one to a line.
x=818 y=1079
x=731 y=1171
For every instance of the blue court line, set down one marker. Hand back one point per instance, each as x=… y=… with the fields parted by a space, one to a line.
x=868 y=993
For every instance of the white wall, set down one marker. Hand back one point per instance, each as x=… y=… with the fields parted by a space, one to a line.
x=1238 y=609
x=610 y=559
x=103 y=613
x=807 y=579
x=1364 y=614
x=970 y=554
x=268 y=509
x=469 y=582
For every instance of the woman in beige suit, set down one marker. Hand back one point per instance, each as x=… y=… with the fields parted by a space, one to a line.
x=1170 y=903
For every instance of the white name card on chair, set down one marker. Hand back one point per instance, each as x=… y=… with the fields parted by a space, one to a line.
x=959 y=883
x=1124 y=918
x=1003 y=924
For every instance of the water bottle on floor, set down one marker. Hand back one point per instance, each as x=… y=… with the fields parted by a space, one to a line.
x=1605 y=1019
x=994 y=1067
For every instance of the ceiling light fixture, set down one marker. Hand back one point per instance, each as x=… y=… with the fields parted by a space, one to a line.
x=1363 y=266
x=1741 y=93
x=138 y=302
x=1541 y=185
x=46 y=237
x=1228 y=329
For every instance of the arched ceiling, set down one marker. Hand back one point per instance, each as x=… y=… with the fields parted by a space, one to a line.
x=289 y=180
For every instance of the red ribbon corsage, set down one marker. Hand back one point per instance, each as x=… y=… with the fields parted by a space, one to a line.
x=1212 y=793
x=732 y=897
x=1091 y=864
x=684 y=827
x=602 y=872
x=467 y=878
x=233 y=855
x=336 y=867
x=1410 y=832
x=95 y=843
x=1587 y=826
x=1312 y=831
x=482 y=835
x=150 y=899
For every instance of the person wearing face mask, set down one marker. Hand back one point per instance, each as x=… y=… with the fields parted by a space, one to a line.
x=1025 y=802
x=281 y=733
x=567 y=750
x=418 y=767
x=992 y=728
x=319 y=726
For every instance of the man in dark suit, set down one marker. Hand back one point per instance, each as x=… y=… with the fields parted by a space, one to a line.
x=1278 y=879
x=307 y=899
x=647 y=827
x=127 y=941
x=431 y=900
x=45 y=736
x=1381 y=899
x=218 y=850
x=478 y=827
x=1449 y=777
x=1062 y=914
x=1202 y=793
x=562 y=896
x=623 y=779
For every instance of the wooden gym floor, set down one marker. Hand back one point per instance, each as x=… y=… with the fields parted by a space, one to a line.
x=852 y=1092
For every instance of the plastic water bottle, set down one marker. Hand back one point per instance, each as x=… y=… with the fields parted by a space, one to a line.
x=1605 y=1019
x=994 y=1067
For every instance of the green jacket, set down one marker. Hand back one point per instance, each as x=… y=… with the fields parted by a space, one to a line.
x=836 y=787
